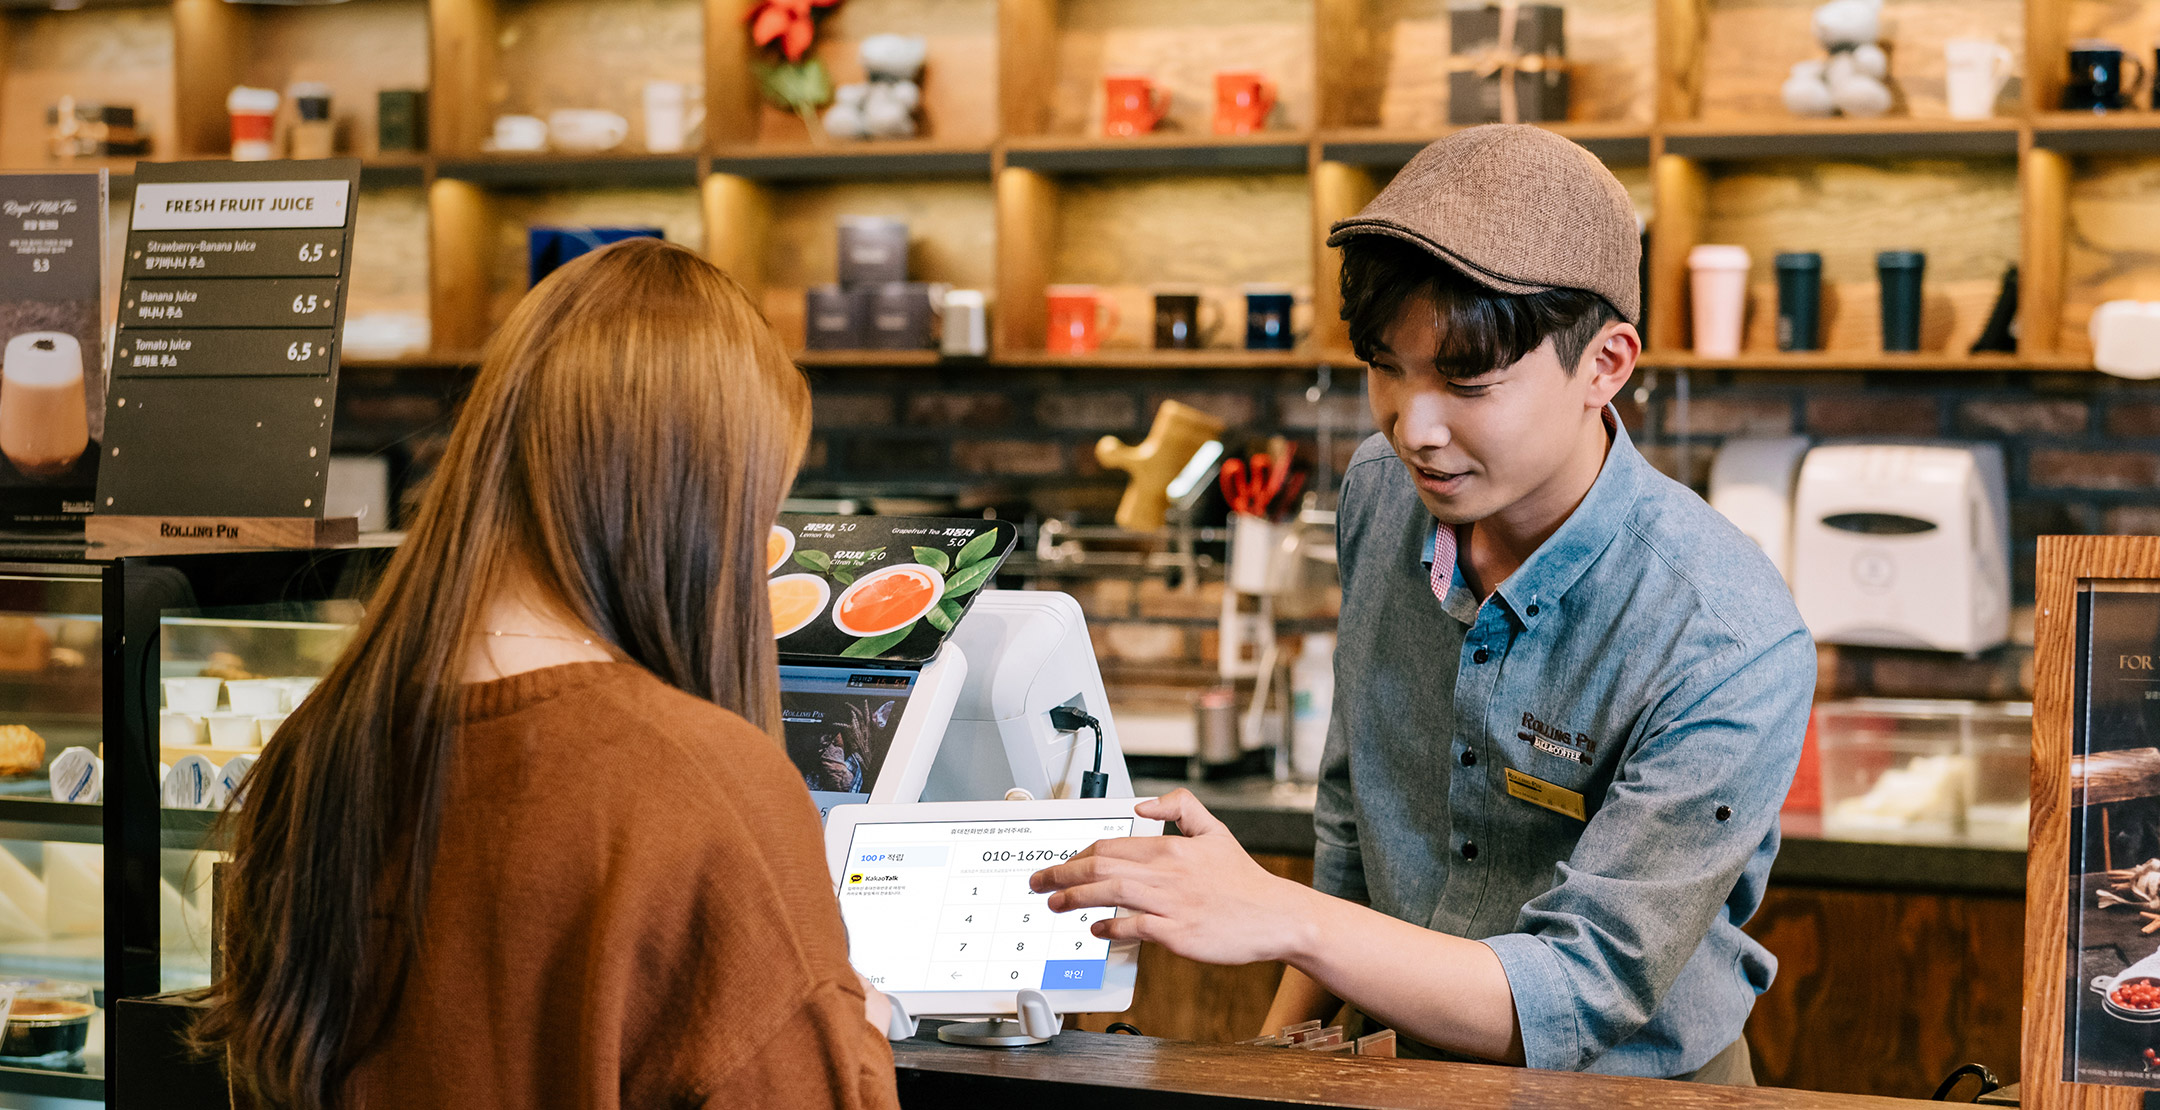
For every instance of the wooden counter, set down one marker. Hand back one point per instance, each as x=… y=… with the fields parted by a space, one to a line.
x=1142 y=1073
x=1896 y=962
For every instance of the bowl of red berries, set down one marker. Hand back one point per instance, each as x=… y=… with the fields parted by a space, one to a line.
x=2131 y=999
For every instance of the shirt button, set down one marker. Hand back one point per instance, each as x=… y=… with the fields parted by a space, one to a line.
x=1481 y=656
x=1532 y=610
x=1469 y=758
x=1469 y=850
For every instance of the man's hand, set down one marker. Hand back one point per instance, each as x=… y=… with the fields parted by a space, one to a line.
x=1199 y=895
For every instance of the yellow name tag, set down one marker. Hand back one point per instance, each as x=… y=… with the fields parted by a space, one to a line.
x=1543 y=794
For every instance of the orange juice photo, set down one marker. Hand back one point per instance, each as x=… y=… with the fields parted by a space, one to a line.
x=797 y=599
x=779 y=544
x=888 y=598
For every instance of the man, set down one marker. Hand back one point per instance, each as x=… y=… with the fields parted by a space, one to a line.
x=1569 y=695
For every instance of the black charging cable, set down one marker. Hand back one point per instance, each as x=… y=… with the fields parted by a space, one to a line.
x=1064 y=718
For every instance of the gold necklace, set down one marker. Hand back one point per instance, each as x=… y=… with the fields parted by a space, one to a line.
x=540 y=636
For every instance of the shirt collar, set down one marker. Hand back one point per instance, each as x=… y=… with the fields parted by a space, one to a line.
x=1554 y=567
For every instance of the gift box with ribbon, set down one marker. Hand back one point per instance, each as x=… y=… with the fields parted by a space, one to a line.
x=1508 y=64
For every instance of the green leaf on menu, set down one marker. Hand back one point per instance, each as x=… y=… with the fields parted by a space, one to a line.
x=977 y=549
x=967 y=579
x=872 y=646
x=933 y=558
x=943 y=616
x=815 y=560
x=843 y=577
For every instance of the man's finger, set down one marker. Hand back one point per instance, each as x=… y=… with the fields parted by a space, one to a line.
x=1139 y=926
x=1180 y=806
x=1121 y=891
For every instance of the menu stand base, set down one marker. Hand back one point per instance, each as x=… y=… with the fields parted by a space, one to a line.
x=115 y=534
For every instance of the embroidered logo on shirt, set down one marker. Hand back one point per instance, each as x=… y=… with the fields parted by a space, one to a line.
x=1576 y=747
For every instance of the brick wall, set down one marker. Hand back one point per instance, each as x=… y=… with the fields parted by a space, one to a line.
x=2083 y=452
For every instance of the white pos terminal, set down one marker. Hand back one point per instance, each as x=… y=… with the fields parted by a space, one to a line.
x=997 y=693
x=940 y=917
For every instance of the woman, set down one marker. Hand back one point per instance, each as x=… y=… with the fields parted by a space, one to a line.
x=534 y=841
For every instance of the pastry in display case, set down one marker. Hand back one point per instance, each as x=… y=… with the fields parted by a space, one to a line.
x=116 y=754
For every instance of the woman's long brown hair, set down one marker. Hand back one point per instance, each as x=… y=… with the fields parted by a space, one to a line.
x=627 y=444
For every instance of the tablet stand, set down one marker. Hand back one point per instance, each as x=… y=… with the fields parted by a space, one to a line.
x=1033 y=1022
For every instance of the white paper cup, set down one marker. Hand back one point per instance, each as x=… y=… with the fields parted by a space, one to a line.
x=192 y=695
x=1718 y=276
x=256 y=696
x=178 y=730
x=266 y=726
x=232 y=730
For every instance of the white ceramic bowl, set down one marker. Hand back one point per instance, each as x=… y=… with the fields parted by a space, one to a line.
x=256 y=696
x=787 y=548
x=178 y=730
x=917 y=570
x=192 y=695
x=232 y=730
x=824 y=591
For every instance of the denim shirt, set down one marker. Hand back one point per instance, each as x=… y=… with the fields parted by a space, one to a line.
x=1647 y=657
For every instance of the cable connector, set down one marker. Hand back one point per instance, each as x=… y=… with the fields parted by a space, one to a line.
x=1065 y=718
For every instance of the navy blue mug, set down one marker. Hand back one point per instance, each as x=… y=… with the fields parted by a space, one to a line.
x=547 y=248
x=1267 y=320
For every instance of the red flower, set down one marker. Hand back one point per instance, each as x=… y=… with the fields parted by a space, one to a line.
x=789 y=21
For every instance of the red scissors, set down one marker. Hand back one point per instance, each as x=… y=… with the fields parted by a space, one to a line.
x=1253 y=486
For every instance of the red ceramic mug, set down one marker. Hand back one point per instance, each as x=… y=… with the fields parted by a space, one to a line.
x=1077 y=324
x=1242 y=102
x=1130 y=105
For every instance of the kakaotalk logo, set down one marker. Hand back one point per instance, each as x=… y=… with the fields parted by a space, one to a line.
x=16 y=209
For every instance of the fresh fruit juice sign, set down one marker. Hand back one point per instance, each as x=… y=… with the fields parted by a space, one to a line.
x=878 y=587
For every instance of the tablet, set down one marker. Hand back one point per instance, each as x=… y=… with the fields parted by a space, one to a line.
x=935 y=897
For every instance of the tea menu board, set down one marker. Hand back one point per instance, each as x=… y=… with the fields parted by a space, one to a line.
x=875 y=588
x=2112 y=1021
x=224 y=369
x=52 y=361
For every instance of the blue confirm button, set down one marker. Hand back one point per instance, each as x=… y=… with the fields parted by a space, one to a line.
x=1072 y=975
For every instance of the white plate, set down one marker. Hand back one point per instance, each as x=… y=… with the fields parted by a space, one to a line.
x=937 y=594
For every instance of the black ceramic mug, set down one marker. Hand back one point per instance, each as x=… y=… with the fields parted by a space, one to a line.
x=1184 y=322
x=2097 y=82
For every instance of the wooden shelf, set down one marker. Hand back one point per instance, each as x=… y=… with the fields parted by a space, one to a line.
x=1931 y=361
x=1619 y=144
x=1265 y=150
x=432 y=360
x=2125 y=132
x=839 y=160
x=1165 y=360
x=549 y=170
x=837 y=359
x=1831 y=138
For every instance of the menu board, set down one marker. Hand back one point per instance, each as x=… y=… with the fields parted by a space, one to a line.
x=52 y=355
x=224 y=368
x=878 y=588
x=2112 y=1010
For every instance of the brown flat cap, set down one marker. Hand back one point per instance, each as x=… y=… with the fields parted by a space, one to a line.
x=1517 y=209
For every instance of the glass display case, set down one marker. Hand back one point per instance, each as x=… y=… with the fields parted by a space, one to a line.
x=1921 y=769
x=170 y=673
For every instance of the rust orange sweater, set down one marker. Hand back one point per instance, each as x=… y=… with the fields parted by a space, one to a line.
x=630 y=908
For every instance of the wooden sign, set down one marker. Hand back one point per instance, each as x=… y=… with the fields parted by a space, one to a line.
x=225 y=364
x=2092 y=1028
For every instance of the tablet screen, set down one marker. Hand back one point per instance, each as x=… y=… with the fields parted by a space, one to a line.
x=839 y=723
x=945 y=905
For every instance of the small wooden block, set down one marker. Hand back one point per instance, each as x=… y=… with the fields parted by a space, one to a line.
x=143 y=535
